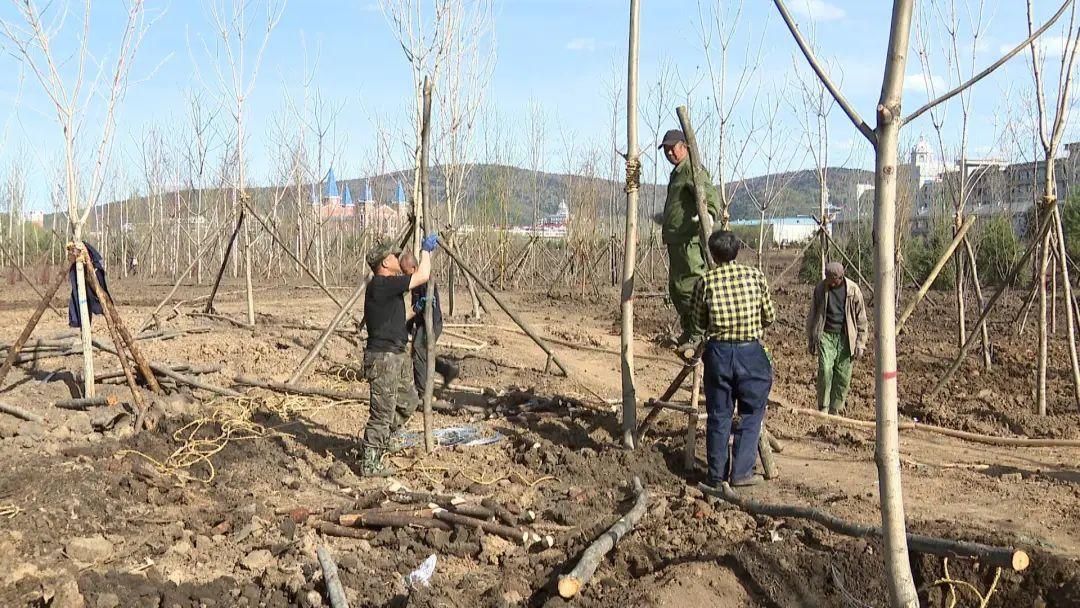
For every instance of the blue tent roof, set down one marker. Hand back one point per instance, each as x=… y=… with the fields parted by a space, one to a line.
x=400 y=196
x=330 y=188
x=346 y=198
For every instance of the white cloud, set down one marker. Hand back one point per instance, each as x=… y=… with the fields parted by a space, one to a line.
x=587 y=45
x=918 y=83
x=1049 y=46
x=818 y=10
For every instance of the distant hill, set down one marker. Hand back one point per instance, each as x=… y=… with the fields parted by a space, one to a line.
x=498 y=193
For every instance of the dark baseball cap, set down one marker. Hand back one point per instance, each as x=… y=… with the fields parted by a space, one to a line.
x=671 y=138
x=379 y=252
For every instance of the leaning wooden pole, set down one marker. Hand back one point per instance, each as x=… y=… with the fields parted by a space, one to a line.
x=346 y=309
x=121 y=354
x=945 y=257
x=571 y=584
x=274 y=237
x=509 y=312
x=429 y=304
x=1066 y=282
x=209 y=241
x=1041 y=234
x=109 y=308
x=46 y=300
x=704 y=219
x=224 y=263
x=305 y=365
x=633 y=173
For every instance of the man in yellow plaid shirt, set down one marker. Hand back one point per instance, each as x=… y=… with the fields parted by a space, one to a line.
x=732 y=306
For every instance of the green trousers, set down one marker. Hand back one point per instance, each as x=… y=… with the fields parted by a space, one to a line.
x=393 y=396
x=685 y=267
x=833 y=372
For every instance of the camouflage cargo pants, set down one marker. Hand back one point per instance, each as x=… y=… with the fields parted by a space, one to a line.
x=393 y=396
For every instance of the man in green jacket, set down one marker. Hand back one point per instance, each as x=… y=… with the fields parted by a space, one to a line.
x=836 y=330
x=681 y=232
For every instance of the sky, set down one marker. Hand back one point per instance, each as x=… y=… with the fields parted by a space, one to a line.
x=566 y=56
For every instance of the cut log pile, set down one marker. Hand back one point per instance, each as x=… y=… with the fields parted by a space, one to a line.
x=398 y=507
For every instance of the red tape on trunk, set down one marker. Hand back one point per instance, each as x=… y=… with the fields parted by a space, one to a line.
x=889 y=375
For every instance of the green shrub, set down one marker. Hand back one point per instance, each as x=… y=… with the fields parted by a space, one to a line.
x=998 y=249
x=1070 y=225
x=923 y=252
x=810 y=267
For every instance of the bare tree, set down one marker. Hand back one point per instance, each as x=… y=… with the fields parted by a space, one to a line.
x=235 y=83
x=719 y=24
x=885 y=140
x=1051 y=127
x=71 y=92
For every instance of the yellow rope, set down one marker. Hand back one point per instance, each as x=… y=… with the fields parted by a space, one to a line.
x=230 y=420
x=984 y=600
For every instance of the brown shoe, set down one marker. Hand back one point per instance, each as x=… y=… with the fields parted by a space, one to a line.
x=752 y=480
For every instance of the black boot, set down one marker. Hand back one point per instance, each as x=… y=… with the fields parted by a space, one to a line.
x=447 y=370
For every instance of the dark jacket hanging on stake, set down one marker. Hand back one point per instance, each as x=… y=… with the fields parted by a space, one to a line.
x=91 y=297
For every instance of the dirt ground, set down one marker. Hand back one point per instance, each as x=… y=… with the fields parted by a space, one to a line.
x=93 y=515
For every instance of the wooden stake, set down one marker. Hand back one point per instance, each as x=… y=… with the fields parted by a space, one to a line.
x=571 y=584
x=294 y=389
x=945 y=257
x=13 y=350
x=125 y=365
x=334 y=590
x=1042 y=232
x=224 y=263
x=85 y=403
x=692 y=419
x=491 y=292
x=18 y=412
x=109 y=307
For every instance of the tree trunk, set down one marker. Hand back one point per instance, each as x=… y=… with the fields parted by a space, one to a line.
x=84 y=321
x=633 y=169
x=901 y=585
x=429 y=306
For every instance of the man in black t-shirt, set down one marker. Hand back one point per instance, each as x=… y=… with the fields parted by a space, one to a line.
x=387 y=366
x=415 y=324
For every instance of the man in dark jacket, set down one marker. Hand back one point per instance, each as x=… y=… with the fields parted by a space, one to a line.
x=418 y=330
x=681 y=232
x=386 y=366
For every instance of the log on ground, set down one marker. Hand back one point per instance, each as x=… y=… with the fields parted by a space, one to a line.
x=18 y=412
x=571 y=584
x=1005 y=557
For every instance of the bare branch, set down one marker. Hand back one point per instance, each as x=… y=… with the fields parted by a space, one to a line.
x=807 y=52
x=986 y=72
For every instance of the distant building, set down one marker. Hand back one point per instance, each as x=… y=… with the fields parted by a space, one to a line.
x=994 y=188
x=784 y=231
x=335 y=203
x=37 y=218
